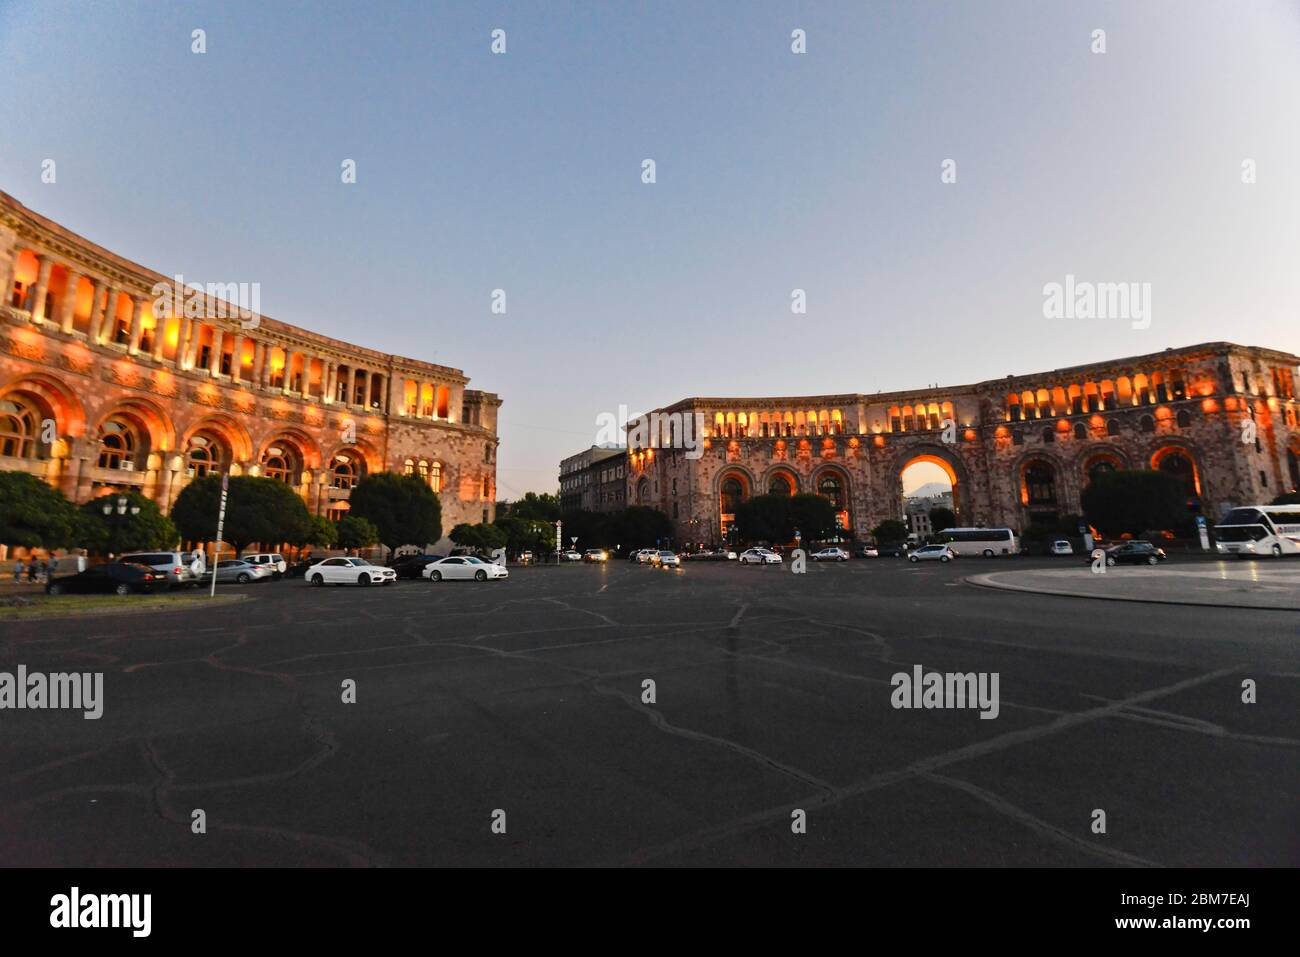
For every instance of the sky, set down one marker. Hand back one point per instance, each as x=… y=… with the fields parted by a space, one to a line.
x=774 y=171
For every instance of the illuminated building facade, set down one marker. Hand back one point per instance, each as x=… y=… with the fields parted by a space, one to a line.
x=1019 y=450
x=97 y=394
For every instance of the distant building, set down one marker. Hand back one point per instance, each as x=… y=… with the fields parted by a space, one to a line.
x=594 y=480
x=918 y=521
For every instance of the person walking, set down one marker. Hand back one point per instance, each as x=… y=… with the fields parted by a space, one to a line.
x=31 y=571
x=19 y=568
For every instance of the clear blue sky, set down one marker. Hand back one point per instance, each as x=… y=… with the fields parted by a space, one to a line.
x=775 y=171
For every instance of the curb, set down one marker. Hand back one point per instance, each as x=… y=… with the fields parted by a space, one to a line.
x=984 y=581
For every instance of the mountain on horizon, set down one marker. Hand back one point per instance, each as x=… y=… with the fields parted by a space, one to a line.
x=929 y=489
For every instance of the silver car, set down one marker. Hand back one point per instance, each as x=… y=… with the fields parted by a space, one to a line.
x=239 y=572
x=179 y=568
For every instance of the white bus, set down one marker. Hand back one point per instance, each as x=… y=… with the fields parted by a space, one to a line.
x=989 y=542
x=1259 y=530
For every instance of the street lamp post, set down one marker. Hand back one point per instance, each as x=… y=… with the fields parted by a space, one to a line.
x=115 y=520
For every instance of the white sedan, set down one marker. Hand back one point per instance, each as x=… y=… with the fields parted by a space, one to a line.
x=349 y=571
x=665 y=559
x=830 y=555
x=463 y=568
x=759 y=556
x=933 y=553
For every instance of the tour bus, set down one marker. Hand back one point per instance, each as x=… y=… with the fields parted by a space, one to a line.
x=989 y=542
x=1259 y=530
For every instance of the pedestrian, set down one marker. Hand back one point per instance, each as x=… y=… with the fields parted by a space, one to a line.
x=31 y=571
x=19 y=568
x=54 y=567
x=45 y=571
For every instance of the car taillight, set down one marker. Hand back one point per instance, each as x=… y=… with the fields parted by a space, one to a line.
x=177 y=570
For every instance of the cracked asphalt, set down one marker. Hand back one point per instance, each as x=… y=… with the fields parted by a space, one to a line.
x=772 y=694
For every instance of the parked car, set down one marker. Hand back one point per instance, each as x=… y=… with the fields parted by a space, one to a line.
x=643 y=556
x=299 y=569
x=1136 y=552
x=932 y=553
x=463 y=568
x=830 y=555
x=666 y=560
x=272 y=560
x=119 y=578
x=1060 y=547
x=240 y=572
x=893 y=551
x=595 y=555
x=759 y=556
x=175 y=567
x=411 y=566
x=526 y=558
x=868 y=551
x=348 y=571
x=572 y=555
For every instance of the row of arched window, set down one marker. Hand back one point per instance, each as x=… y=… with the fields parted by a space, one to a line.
x=1103 y=396
x=763 y=425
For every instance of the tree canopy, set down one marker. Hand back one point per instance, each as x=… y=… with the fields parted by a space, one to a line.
x=353 y=532
x=776 y=518
x=147 y=529
x=1135 y=501
x=257 y=510
x=34 y=515
x=483 y=537
x=403 y=509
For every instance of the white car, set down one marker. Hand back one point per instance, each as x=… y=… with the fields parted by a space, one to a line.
x=664 y=559
x=271 y=561
x=932 y=553
x=830 y=555
x=463 y=568
x=759 y=556
x=1061 y=547
x=349 y=571
x=645 y=556
x=572 y=556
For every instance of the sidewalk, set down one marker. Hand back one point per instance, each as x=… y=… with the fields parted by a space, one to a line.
x=1266 y=584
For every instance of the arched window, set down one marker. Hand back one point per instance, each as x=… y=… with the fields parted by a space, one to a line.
x=733 y=493
x=116 y=445
x=1112 y=427
x=1147 y=424
x=780 y=485
x=435 y=476
x=1099 y=466
x=408 y=467
x=1080 y=430
x=1177 y=463
x=19 y=427
x=206 y=455
x=1040 y=484
x=346 y=471
x=829 y=486
x=1184 y=418
x=1049 y=436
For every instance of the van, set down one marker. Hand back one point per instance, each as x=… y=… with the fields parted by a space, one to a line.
x=176 y=567
x=271 y=561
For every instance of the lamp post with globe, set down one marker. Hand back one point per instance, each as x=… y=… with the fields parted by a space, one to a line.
x=116 y=518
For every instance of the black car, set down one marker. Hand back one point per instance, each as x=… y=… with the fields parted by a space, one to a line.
x=1132 y=553
x=893 y=551
x=411 y=566
x=120 y=578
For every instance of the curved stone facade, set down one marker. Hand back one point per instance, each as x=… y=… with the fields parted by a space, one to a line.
x=1221 y=416
x=98 y=394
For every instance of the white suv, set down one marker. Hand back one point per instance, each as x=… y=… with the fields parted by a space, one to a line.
x=759 y=556
x=271 y=561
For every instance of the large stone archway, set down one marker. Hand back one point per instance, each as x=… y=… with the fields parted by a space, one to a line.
x=947 y=460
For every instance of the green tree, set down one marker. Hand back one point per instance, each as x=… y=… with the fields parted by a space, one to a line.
x=1287 y=498
x=353 y=532
x=542 y=507
x=147 y=529
x=257 y=510
x=34 y=515
x=1134 y=501
x=638 y=526
x=776 y=518
x=941 y=518
x=321 y=533
x=403 y=509
x=890 y=532
x=482 y=537
x=527 y=534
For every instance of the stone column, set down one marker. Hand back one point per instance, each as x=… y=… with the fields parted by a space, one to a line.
x=306 y=376
x=102 y=292
x=42 y=288
x=69 y=301
x=327 y=383
x=237 y=358
x=214 y=365
x=259 y=357
x=182 y=341
x=289 y=356
x=137 y=311
x=352 y=385
x=159 y=336
x=7 y=275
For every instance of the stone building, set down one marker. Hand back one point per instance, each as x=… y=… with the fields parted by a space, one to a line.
x=594 y=480
x=99 y=394
x=1018 y=450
